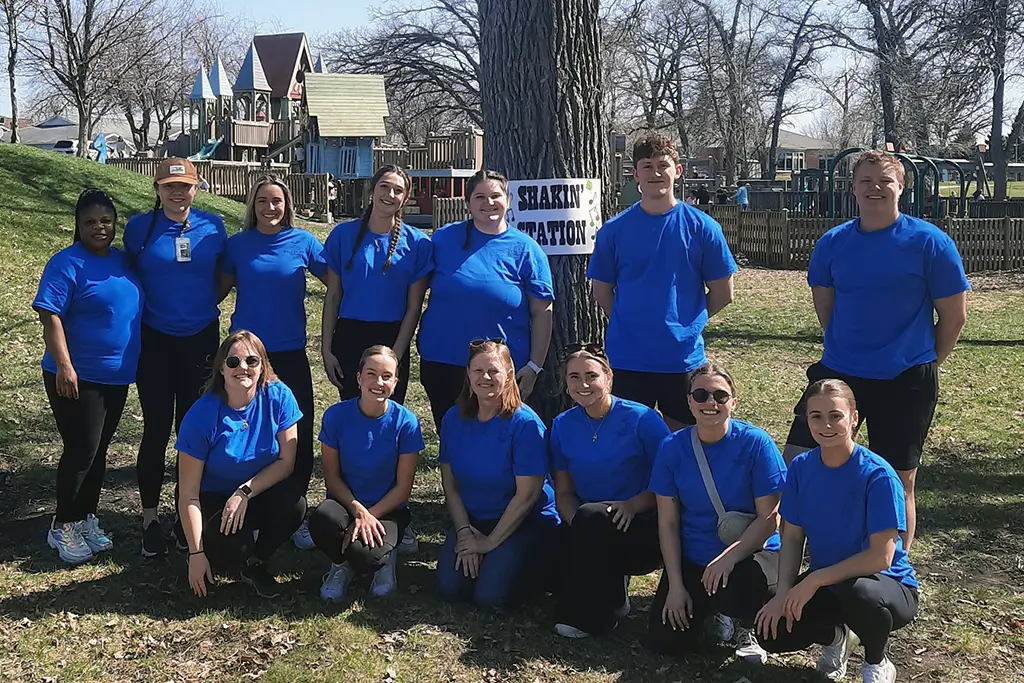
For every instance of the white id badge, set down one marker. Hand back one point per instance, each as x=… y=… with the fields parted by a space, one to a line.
x=182 y=249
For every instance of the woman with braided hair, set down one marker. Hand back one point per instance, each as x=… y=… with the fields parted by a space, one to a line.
x=376 y=281
x=177 y=252
x=267 y=262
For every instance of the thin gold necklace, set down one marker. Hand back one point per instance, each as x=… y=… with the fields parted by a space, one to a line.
x=590 y=422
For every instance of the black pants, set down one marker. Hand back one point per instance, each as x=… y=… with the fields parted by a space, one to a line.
x=595 y=558
x=86 y=427
x=443 y=384
x=173 y=372
x=292 y=368
x=276 y=513
x=751 y=584
x=328 y=525
x=872 y=606
x=351 y=338
x=668 y=391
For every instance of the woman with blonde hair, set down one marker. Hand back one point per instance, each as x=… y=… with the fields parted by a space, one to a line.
x=267 y=264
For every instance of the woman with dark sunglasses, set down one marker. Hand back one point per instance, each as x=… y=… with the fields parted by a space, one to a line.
x=490 y=280
x=718 y=486
x=601 y=456
x=236 y=452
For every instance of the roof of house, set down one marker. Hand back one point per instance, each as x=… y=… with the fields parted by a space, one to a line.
x=283 y=56
x=39 y=136
x=347 y=105
x=201 y=90
x=251 y=75
x=321 y=66
x=791 y=140
x=219 y=79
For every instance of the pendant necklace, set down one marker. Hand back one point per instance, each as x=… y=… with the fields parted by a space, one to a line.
x=590 y=421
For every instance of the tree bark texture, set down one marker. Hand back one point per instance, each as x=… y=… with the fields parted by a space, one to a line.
x=540 y=85
x=12 y=12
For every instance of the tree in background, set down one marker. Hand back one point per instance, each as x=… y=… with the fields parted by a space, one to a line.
x=14 y=14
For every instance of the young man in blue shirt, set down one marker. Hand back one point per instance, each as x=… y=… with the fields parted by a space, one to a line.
x=877 y=283
x=660 y=270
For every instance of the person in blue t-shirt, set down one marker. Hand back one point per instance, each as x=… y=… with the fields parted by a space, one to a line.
x=267 y=262
x=490 y=281
x=601 y=456
x=878 y=282
x=660 y=270
x=741 y=196
x=177 y=252
x=847 y=505
x=236 y=452
x=370 y=445
x=378 y=272
x=90 y=305
x=494 y=468
x=721 y=550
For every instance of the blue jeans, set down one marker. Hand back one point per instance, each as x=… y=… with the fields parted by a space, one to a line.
x=508 y=574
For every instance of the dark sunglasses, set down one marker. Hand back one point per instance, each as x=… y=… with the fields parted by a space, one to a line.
x=250 y=361
x=590 y=347
x=721 y=396
x=476 y=343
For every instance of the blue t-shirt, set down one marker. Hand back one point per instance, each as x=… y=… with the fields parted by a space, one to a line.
x=368 y=291
x=741 y=196
x=617 y=464
x=658 y=266
x=885 y=282
x=482 y=292
x=181 y=298
x=236 y=445
x=746 y=465
x=486 y=458
x=99 y=301
x=368 y=447
x=270 y=276
x=840 y=507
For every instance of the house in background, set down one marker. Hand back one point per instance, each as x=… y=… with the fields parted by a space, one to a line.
x=47 y=135
x=346 y=119
x=796 y=152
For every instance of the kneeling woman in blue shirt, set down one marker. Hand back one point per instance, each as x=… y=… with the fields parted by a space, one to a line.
x=90 y=304
x=718 y=486
x=847 y=505
x=493 y=468
x=370 y=448
x=601 y=456
x=236 y=451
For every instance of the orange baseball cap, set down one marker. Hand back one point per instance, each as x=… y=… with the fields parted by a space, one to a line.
x=177 y=170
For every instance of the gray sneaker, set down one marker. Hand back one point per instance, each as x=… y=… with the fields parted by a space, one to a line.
x=747 y=647
x=68 y=542
x=95 y=537
x=336 y=582
x=834 y=657
x=384 y=580
x=409 y=544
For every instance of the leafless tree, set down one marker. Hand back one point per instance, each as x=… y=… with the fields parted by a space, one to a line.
x=14 y=15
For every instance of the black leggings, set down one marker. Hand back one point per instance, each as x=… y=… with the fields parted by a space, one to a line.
x=872 y=606
x=351 y=338
x=86 y=427
x=292 y=368
x=328 y=525
x=595 y=558
x=443 y=384
x=276 y=513
x=173 y=372
x=751 y=585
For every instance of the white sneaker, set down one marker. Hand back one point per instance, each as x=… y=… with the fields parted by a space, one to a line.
x=336 y=582
x=885 y=672
x=747 y=647
x=94 y=535
x=68 y=542
x=719 y=627
x=834 y=657
x=384 y=580
x=302 y=539
x=567 y=631
x=409 y=543
x=622 y=611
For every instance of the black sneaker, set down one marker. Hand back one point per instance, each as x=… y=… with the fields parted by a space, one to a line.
x=257 y=576
x=179 y=535
x=153 y=542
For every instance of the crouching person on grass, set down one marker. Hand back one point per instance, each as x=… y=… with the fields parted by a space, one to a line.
x=847 y=504
x=236 y=451
x=493 y=468
x=370 y=447
x=718 y=487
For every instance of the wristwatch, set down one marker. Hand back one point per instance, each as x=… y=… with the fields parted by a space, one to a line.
x=533 y=366
x=246 y=491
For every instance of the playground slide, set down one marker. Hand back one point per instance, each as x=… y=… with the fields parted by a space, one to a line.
x=207 y=150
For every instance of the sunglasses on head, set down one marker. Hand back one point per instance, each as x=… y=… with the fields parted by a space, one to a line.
x=476 y=343
x=250 y=361
x=590 y=347
x=721 y=396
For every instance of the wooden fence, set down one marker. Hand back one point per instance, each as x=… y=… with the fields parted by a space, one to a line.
x=449 y=210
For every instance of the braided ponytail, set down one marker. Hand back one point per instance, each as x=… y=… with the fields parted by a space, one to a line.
x=149 y=233
x=396 y=232
x=364 y=225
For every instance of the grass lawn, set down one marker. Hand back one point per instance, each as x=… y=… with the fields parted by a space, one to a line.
x=121 y=618
x=952 y=189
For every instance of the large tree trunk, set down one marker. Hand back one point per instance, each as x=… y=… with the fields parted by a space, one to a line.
x=12 y=18
x=1001 y=12
x=540 y=85
x=887 y=55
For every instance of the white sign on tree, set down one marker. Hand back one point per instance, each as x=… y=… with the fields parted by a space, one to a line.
x=562 y=214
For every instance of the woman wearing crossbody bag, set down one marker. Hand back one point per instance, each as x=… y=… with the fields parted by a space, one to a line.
x=718 y=486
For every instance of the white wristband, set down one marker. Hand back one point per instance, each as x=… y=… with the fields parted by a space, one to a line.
x=533 y=366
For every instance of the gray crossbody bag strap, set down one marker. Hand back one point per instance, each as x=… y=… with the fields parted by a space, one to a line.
x=705 y=473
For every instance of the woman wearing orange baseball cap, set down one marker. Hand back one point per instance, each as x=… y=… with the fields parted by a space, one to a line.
x=177 y=252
